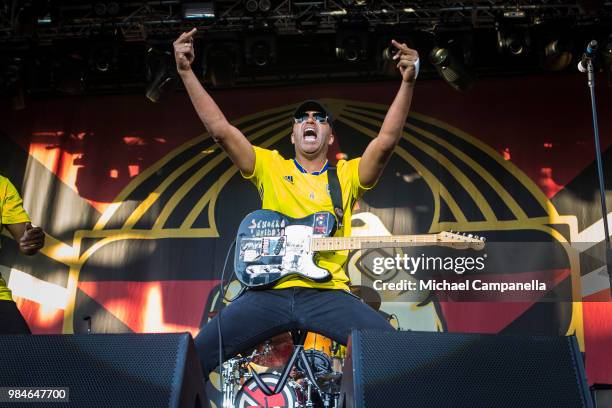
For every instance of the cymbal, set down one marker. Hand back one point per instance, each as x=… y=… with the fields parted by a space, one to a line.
x=280 y=348
x=368 y=295
x=330 y=382
x=330 y=376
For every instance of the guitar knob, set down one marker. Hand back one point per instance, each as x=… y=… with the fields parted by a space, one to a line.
x=470 y=236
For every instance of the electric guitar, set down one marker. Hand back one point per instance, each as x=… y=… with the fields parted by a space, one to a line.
x=270 y=246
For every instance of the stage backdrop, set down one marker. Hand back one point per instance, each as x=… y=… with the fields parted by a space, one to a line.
x=140 y=205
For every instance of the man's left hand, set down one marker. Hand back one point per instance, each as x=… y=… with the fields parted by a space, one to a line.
x=407 y=59
x=32 y=240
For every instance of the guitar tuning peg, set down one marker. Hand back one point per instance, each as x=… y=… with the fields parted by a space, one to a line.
x=483 y=239
x=476 y=237
x=470 y=236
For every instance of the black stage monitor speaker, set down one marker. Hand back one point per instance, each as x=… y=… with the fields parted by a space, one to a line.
x=101 y=370
x=424 y=369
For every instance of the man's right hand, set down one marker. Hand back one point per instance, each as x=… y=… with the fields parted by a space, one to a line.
x=183 y=51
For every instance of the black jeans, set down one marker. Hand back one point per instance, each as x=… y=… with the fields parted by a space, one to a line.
x=259 y=315
x=11 y=321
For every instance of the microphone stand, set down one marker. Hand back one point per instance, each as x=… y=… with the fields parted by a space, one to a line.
x=600 y=173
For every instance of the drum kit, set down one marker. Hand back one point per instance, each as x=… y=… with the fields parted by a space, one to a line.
x=324 y=356
x=320 y=388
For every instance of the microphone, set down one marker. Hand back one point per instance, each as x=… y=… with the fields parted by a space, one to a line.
x=588 y=55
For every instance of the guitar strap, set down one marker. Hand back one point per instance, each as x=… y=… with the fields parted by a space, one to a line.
x=336 y=194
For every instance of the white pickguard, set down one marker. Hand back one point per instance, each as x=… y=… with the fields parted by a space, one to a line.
x=296 y=256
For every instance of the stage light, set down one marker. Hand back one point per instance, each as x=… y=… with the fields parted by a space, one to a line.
x=251 y=6
x=515 y=13
x=512 y=41
x=112 y=8
x=158 y=85
x=260 y=50
x=557 y=55
x=104 y=57
x=258 y=6
x=451 y=69
x=516 y=45
x=30 y=14
x=68 y=73
x=99 y=9
x=102 y=9
x=351 y=45
x=261 y=54
x=198 y=10
x=159 y=73
x=104 y=49
x=387 y=66
x=221 y=62
x=265 y=5
x=45 y=19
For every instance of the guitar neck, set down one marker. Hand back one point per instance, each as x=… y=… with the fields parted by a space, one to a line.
x=342 y=243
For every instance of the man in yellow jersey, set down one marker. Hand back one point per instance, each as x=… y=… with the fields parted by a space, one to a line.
x=297 y=187
x=30 y=239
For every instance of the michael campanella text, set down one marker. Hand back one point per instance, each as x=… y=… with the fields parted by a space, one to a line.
x=475 y=284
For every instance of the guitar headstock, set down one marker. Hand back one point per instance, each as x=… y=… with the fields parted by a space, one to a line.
x=460 y=240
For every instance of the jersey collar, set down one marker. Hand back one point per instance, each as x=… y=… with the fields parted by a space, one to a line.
x=314 y=173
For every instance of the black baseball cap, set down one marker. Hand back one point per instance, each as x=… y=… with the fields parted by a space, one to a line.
x=314 y=106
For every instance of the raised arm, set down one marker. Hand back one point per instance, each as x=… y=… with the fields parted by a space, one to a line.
x=232 y=140
x=379 y=150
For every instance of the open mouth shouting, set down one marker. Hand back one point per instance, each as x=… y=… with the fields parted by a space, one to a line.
x=309 y=133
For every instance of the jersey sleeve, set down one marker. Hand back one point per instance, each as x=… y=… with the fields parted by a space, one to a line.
x=12 y=205
x=263 y=158
x=357 y=190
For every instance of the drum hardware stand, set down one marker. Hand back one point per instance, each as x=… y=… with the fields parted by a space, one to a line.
x=228 y=384
x=299 y=337
x=327 y=401
x=309 y=402
x=229 y=379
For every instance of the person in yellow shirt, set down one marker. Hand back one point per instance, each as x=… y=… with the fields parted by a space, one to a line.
x=30 y=239
x=297 y=187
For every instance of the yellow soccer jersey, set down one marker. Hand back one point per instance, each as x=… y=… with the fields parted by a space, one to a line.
x=284 y=186
x=11 y=212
